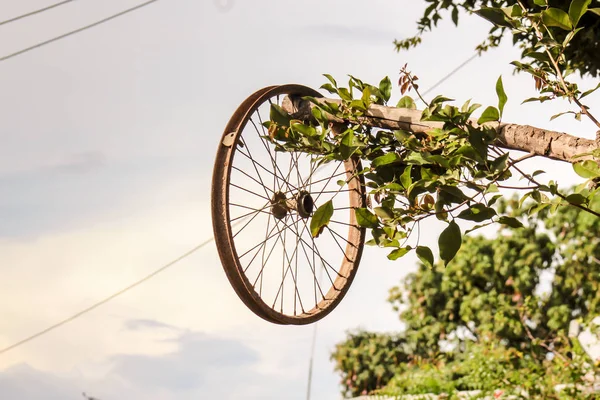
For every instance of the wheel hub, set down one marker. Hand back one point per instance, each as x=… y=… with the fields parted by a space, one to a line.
x=302 y=203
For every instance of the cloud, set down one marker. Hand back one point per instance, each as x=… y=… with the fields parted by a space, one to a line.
x=200 y=362
x=139 y=324
x=202 y=366
x=26 y=383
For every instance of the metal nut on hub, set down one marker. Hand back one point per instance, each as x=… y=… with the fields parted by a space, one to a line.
x=305 y=204
x=279 y=207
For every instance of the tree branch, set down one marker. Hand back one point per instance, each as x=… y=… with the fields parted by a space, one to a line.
x=541 y=142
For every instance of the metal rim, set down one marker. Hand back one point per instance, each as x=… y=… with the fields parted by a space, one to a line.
x=279 y=216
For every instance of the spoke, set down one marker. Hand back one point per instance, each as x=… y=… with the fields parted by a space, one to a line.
x=254 y=165
x=284 y=274
x=283 y=269
x=338 y=244
x=264 y=263
x=249 y=191
x=294 y=277
x=341 y=237
x=344 y=223
x=248 y=214
x=313 y=269
x=329 y=180
x=250 y=208
x=314 y=248
x=325 y=179
x=262 y=140
x=296 y=267
x=263 y=242
x=260 y=183
x=338 y=191
x=260 y=165
x=287 y=178
x=245 y=225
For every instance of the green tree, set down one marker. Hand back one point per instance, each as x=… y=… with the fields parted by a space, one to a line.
x=447 y=164
x=582 y=55
x=475 y=319
x=481 y=322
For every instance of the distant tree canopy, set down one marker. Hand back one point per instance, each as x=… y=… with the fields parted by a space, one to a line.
x=583 y=53
x=491 y=313
x=482 y=322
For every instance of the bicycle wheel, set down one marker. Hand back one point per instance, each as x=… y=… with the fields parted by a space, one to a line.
x=262 y=202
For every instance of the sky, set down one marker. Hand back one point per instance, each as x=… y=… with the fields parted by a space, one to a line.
x=106 y=154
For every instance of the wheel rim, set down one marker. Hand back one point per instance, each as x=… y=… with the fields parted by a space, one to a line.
x=262 y=205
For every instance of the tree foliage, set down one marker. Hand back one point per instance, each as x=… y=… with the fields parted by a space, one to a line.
x=475 y=318
x=582 y=55
x=452 y=172
x=483 y=321
x=492 y=313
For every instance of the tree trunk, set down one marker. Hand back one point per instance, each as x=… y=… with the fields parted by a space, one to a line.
x=549 y=144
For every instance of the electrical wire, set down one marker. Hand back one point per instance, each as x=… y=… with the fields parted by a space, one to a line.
x=106 y=299
x=38 y=45
x=451 y=73
x=8 y=21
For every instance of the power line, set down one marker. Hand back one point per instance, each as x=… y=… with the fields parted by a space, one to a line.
x=454 y=71
x=8 y=21
x=77 y=30
x=107 y=299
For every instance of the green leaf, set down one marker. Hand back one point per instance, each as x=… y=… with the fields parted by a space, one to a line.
x=329 y=87
x=386 y=159
x=476 y=227
x=489 y=114
x=587 y=169
x=576 y=199
x=330 y=78
x=557 y=17
x=552 y=118
x=348 y=144
x=502 y=97
x=385 y=87
x=495 y=15
x=366 y=218
x=358 y=104
x=477 y=140
x=595 y=10
x=588 y=92
x=304 y=129
x=577 y=9
x=499 y=164
x=510 y=221
x=449 y=242
x=396 y=254
x=279 y=115
x=383 y=212
x=345 y=94
x=541 y=3
x=455 y=15
x=407 y=102
x=477 y=213
x=440 y=99
x=405 y=178
x=321 y=218
x=425 y=255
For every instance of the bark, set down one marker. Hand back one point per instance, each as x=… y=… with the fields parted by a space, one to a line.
x=542 y=142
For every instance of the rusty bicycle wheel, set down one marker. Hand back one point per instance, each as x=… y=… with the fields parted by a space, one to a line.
x=262 y=202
